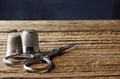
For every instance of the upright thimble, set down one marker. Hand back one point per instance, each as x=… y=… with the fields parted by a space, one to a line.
x=30 y=41
x=14 y=44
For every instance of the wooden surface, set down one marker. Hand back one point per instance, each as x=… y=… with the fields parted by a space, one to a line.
x=97 y=55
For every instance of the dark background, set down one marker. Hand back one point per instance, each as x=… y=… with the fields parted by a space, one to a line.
x=59 y=9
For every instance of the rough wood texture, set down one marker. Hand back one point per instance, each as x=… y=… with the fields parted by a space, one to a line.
x=97 y=55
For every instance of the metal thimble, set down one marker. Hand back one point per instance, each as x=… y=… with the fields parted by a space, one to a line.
x=30 y=41
x=14 y=44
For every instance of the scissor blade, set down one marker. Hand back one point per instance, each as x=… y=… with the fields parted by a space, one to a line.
x=60 y=49
x=67 y=46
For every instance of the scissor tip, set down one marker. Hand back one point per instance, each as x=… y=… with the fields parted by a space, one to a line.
x=71 y=45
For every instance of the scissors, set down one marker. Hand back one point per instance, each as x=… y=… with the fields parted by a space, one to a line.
x=31 y=59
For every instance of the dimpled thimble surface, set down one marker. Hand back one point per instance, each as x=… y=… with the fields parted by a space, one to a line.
x=14 y=44
x=30 y=41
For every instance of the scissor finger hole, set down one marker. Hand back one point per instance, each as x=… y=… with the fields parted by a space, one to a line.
x=35 y=67
x=39 y=65
x=15 y=60
x=11 y=61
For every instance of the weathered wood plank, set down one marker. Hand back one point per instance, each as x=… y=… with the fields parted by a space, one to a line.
x=60 y=25
x=97 y=55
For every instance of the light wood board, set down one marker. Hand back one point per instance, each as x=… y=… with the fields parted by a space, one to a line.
x=96 y=56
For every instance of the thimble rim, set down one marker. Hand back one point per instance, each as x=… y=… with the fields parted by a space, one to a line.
x=13 y=35
x=30 y=30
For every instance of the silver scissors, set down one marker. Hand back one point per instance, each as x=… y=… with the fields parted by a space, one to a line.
x=30 y=59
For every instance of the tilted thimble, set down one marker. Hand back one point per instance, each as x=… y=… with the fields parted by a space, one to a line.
x=14 y=45
x=30 y=41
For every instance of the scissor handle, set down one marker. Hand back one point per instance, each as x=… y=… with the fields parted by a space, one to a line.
x=47 y=68
x=16 y=56
x=8 y=62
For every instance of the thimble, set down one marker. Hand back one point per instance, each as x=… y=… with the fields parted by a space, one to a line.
x=14 y=44
x=30 y=41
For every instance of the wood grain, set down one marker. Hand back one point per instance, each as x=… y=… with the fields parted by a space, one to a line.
x=96 y=55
